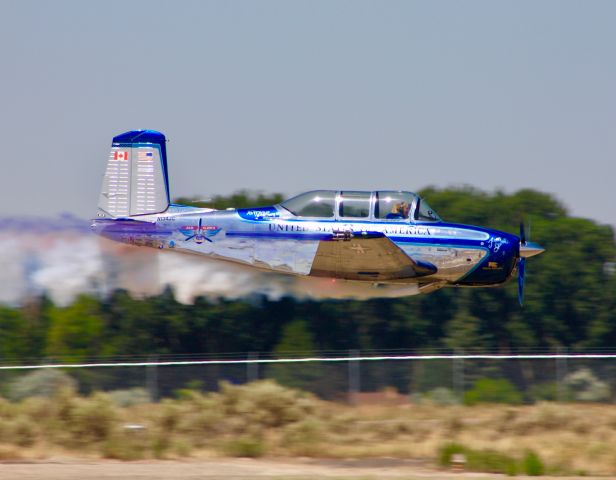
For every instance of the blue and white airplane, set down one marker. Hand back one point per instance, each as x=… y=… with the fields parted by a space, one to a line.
x=384 y=243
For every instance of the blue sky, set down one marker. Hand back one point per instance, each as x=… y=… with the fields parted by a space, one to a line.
x=289 y=96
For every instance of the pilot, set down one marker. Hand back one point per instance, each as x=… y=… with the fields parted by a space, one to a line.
x=399 y=210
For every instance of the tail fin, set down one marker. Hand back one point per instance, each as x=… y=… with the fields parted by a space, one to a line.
x=135 y=181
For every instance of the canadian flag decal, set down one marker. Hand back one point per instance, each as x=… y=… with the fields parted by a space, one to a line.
x=120 y=155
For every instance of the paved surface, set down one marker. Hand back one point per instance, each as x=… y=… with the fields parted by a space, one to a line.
x=236 y=469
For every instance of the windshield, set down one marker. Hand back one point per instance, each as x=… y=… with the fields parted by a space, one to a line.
x=424 y=212
x=319 y=204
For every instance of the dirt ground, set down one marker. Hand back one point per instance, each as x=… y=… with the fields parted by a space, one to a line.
x=236 y=469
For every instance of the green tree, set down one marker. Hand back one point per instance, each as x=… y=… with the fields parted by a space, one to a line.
x=75 y=332
x=296 y=341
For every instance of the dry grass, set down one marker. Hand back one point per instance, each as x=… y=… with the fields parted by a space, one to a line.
x=266 y=419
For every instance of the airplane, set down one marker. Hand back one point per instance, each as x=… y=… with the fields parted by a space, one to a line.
x=383 y=243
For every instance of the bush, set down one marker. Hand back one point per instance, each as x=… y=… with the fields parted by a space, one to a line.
x=41 y=383
x=161 y=445
x=447 y=451
x=441 y=396
x=170 y=415
x=92 y=419
x=491 y=461
x=479 y=460
x=545 y=392
x=130 y=397
x=245 y=447
x=22 y=431
x=584 y=386
x=126 y=446
x=267 y=404
x=181 y=448
x=532 y=464
x=304 y=438
x=487 y=390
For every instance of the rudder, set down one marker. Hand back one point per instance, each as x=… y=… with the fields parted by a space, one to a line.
x=135 y=181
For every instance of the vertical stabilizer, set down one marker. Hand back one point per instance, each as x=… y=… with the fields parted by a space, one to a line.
x=135 y=181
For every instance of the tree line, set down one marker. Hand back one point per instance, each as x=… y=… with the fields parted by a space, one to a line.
x=570 y=302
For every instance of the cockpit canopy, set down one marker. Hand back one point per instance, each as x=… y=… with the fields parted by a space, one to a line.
x=383 y=205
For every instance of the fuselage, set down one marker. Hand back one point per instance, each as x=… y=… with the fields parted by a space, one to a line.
x=274 y=239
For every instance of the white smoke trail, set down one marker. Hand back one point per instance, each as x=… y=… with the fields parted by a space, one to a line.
x=63 y=259
x=54 y=257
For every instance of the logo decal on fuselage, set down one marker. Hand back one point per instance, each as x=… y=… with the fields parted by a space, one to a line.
x=199 y=233
x=258 y=214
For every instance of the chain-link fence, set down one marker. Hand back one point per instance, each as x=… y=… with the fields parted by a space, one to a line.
x=354 y=378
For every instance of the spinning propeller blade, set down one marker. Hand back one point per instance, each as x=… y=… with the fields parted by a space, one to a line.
x=527 y=249
x=521 y=270
x=521 y=265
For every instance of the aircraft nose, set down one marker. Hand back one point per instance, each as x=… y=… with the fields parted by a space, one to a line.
x=530 y=249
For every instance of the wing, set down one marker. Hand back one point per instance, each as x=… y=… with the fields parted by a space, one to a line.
x=366 y=256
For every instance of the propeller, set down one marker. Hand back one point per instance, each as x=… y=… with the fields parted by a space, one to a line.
x=521 y=265
x=527 y=249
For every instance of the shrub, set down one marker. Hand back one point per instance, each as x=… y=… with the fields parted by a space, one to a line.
x=92 y=419
x=584 y=386
x=22 y=431
x=130 y=397
x=491 y=461
x=304 y=438
x=546 y=392
x=202 y=425
x=6 y=408
x=161 y=445
x=447 y=451
x=266 y=403
x=487 y=390
x=126 y=446
x=245 y=447
x=41 y=383
x=479 y=460
x=181 y=448
x=442 y=396
x=532 y=464
x=170 y=415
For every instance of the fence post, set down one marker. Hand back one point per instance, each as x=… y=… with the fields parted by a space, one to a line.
x=458 y=375
x=252 y=369
x=561 y=374
x=151 y=378
x=354 y=377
